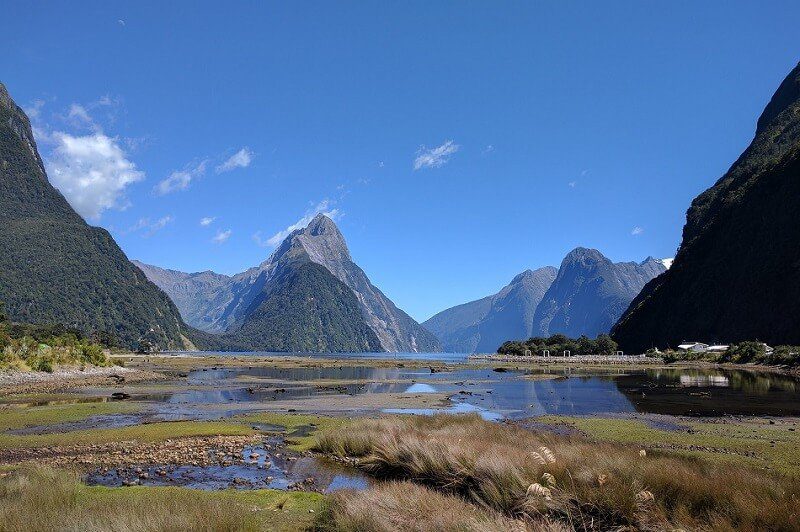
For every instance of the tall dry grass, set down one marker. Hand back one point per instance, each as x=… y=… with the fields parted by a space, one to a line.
x=393 y=506
x=540 y=478
x=35 y=498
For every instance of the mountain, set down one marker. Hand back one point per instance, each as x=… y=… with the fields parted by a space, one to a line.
x=55 y=268
x=234 y=305
x=585 y=296
x=195 y=294
x=737 y=272
x=484 y=324
x=590 y=293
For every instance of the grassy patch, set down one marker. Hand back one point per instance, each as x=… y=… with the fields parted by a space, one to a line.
x=141 y=433
x=36 y=498
x=12 y=417
x=544 y=478
x=293 y=422
x=755 y=442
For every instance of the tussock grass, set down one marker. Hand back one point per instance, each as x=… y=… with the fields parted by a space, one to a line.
x=407 y=506
x=541 y=478
x=36 y=498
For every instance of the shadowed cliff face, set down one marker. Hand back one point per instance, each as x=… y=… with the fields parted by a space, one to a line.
x=54 y=267
x=225 y=304
x=737 y=273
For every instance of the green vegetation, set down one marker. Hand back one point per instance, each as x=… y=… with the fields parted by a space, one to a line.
x=551 y=482
x=754 y=442
x=558 y=343
x=55 y=268
x=742 y=353
x=306 y=309
x=309 y=423
x=142 y=433
x=42 y=348
x=14 y=417
x=36 y=498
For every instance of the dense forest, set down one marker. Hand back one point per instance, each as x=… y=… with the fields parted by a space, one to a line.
x=307 y=309
x=55 y=268
x=557 y=344
x=736 y=276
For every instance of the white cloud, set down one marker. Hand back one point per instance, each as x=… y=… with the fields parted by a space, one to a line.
x=381 y=164
x=222 y=236
x=208 y=220
x=240 y=159
x=572 y=184
x=489 y=148
x=181 y=179
x=323 y=207
x=636 y=231
x=435 y=157
x=120 y=22
x=92 y=172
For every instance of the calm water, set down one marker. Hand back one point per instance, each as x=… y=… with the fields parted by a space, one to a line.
x=511 y=394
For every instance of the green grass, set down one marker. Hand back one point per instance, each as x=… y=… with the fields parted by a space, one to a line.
x=294 y=421
x=36 y=498
x=13 y=417
x=142 y=433
x=755 y=442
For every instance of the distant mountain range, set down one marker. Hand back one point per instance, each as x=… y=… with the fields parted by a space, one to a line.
x=55 y=268
x=585 y=296
x=737 y=272
x=308 y=295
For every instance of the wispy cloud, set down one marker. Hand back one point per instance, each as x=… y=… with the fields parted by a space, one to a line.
x=572 y=184
x=636 y=231
x=489 y=148
x=208 y=220
x=222 y=236
x=149 y=227
x=323 y=207
x=435 y=157
x=240 y=159
x=79 y=113
x=181 y=179
x=35 y=109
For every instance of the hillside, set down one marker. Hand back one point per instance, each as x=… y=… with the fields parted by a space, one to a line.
x=54 y=267
x=737 y=273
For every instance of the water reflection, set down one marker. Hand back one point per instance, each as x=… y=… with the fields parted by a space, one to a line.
x=512 y=393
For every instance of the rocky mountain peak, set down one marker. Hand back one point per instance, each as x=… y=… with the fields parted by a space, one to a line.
x=323 y=241
x=581 y=257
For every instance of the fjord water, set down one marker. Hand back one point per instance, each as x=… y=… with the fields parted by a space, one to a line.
x=514 y=393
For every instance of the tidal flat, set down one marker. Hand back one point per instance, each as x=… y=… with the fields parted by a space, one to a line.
x=258 y=432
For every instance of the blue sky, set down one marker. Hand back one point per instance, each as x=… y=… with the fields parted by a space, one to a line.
x=457 y=143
